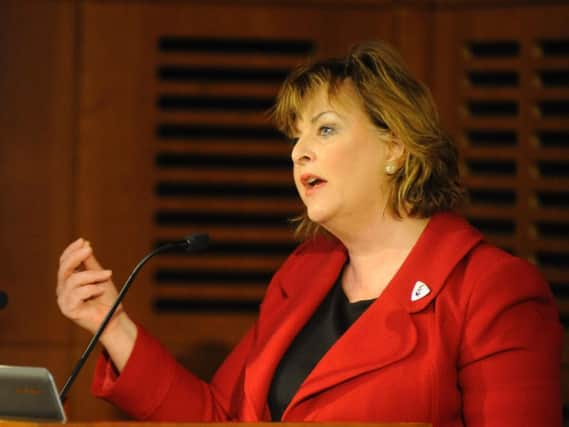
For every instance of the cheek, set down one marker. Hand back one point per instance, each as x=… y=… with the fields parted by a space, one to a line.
x=296 y=179
x=362 y=172
x=341 y=161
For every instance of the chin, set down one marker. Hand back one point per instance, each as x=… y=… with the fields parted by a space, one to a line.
x=319 y=215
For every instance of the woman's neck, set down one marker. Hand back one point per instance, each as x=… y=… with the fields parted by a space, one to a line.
x=376 y=253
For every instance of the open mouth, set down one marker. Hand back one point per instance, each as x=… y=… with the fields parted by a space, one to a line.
x=312 y=181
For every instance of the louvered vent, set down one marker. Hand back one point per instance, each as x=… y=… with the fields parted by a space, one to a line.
x=515 y=146
x=549 y=137
x=223 y=169
x=490 y=137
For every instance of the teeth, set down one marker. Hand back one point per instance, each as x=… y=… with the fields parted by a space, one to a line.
x=312 y=180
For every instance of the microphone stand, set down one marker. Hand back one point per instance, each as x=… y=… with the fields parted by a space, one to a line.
x=192 y=243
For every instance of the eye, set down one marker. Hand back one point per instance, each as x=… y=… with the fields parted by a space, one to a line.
x=326 y=130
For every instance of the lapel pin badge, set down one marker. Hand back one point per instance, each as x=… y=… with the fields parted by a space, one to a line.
x=419 y=291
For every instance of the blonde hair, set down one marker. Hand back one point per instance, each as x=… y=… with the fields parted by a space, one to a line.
x=428 y=179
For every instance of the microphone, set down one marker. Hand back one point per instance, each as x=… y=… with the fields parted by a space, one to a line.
x=3 y=299
x=193 y=243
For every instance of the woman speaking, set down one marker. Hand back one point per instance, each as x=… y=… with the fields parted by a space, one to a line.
x=392 y=309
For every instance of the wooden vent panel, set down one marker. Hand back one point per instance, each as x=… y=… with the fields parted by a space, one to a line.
x=549 y=133
x=515 y=146
x=490 y=137
x=222 y=168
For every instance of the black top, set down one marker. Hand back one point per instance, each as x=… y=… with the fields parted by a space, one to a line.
x=334 y=316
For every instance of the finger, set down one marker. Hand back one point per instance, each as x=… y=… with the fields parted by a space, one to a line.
x=73 y=261
x=109 y=288
x=70 y=248
x=72 y=301
x=84 y=278
x=88 y=292
x=91 y=263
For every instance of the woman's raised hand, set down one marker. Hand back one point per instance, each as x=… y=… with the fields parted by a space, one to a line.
x=85 y=291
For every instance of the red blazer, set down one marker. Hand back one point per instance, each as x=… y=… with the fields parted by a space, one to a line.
x=481 y=349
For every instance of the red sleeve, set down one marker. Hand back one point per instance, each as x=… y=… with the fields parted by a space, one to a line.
x=153 y=386
x=511 y=350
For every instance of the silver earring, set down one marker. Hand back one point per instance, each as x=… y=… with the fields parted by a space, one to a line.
x=390 y=169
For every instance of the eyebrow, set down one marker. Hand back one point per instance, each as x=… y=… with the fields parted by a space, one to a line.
x=317 y=116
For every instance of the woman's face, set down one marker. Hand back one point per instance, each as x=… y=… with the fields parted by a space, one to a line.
x=339 y=161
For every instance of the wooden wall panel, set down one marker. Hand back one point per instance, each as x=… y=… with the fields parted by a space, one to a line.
x=114 y=162
x=413 y=34
x=37 y=46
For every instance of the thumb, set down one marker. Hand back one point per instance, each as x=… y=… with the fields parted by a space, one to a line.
x=91 y=262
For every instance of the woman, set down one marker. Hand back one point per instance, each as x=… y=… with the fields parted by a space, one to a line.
x=392 y=309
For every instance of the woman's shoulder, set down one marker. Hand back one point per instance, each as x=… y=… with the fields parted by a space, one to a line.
x=494 y=279
x=485 y=269
x=483 y=259
x=489 y=261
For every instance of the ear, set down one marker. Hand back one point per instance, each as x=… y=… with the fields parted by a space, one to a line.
x=396 y=151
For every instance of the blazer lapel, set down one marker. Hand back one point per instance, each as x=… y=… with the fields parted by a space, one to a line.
x=278 y=328
x=386 y=332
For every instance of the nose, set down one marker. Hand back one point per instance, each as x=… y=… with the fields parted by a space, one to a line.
x=302 y=152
